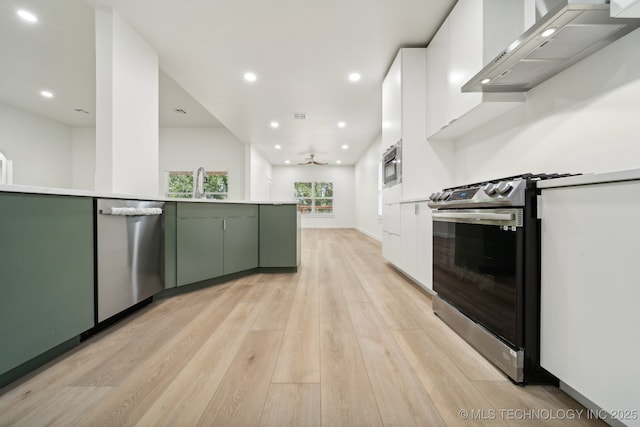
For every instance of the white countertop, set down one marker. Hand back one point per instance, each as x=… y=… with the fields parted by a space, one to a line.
x=26 y=189
x=417 y=200
x=593 y=178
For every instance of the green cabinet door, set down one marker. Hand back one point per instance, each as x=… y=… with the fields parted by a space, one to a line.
x=241 y=243
x=199 y=249
x=46 y=273
x=169 y=223
x=279 y=236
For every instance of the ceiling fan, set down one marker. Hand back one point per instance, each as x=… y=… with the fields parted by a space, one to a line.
x=312 y=161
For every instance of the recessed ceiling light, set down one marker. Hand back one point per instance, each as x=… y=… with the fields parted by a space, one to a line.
x=27 y=16
x=46 y=94
x=277 y=146
x=548 y=32
x=250 y=77
x=345 y=146
x=485 y=81
x=275 y=125
x=287 y=162
x=354 y=77
x=338 y=161
x=341 y=124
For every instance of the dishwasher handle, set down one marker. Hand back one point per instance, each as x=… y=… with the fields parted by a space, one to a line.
x=131 y=211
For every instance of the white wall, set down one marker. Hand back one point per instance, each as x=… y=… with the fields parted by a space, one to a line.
x=217 y=149
x=39 y=148
x=343 y=189
x=83 y=158
x=258 y=175
x=127 y=145
x=366 y=185
x=586 y=119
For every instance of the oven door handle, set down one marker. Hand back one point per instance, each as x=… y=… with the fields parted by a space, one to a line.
x=503 y=217
x=480 y=216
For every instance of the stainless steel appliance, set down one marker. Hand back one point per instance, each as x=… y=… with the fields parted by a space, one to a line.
x=565 y=32
x=486 y=269
x=392 y=165
x=129 y=254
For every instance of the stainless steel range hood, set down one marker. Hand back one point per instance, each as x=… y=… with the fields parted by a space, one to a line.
x=567 y=32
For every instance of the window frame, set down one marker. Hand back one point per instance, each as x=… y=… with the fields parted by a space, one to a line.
x=313 y=212
x=212 y=195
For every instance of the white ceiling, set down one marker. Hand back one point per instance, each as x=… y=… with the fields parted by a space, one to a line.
x=301 y=50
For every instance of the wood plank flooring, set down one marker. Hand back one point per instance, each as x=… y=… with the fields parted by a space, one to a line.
x=346 y=341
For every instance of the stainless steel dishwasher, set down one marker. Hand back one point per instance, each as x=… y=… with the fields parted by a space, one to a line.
x=129 y=254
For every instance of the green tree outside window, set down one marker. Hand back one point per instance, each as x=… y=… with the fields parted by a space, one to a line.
x=314 y=197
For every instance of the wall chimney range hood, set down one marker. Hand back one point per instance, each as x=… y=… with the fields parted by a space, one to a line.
x=566 y=32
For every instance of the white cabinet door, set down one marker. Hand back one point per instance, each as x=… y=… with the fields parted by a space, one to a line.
x=590 y=291
x=414 y=111
x=437 y=65
x=465 y=56
x=392 y=104
x=625 y=8
x=472 y=35
x=416 y=243
x=409 y=239
x=424 y=235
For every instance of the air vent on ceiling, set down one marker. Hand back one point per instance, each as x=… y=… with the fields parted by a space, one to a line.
x=299 y=116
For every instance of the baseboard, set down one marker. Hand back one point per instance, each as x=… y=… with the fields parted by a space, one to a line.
x=369 y=234
x=21 y=371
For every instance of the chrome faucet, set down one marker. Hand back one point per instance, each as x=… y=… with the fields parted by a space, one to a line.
x=198 y=191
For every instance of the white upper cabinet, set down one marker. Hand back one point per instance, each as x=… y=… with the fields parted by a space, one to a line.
x=437 y=84
x=625 y=8
x=392 y=104
x=473 y=34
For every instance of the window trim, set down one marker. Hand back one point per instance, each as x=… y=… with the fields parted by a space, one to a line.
x=177 y=196
x=314 y=213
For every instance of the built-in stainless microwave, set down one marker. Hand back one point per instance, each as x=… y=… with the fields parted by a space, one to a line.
x=392 y=165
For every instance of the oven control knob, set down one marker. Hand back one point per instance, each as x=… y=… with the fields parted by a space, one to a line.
x=503 y=187
x=439 y=196
x=489 y=189
x=446 y=195
x=433 y=196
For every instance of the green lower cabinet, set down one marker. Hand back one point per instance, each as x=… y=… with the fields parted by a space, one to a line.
x=46 y=274
x=200 y=249
x=214 y=240
x=279 y=236
x=241 y=243
x=169 y=224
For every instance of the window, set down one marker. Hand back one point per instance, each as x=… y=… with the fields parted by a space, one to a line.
x=314 y=197
x=181 y=184
x=216 y=185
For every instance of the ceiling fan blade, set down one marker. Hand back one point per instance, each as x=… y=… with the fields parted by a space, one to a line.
x=312 y=161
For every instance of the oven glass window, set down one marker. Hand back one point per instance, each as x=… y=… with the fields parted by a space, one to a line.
x=389 y=170
x=475 y=269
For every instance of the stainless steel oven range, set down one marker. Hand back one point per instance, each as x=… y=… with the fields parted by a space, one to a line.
x=486 y=270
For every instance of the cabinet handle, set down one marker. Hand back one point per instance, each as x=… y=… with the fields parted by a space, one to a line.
x=224 y=225
x=415 y=209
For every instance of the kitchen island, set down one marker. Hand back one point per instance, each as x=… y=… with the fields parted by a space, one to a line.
x=48 y=260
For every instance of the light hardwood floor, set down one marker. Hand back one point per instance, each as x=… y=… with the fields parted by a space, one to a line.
x=346 y=341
